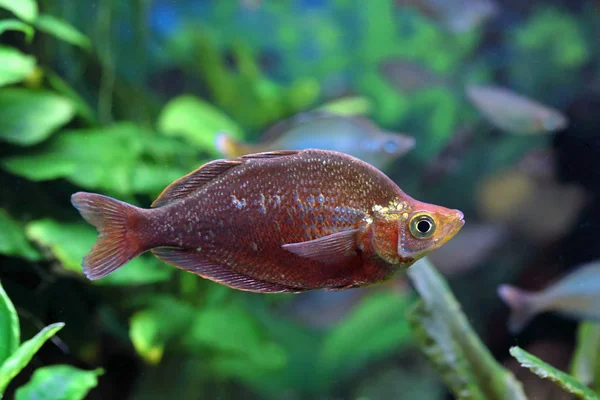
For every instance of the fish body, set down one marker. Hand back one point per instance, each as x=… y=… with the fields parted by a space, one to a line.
x=352 y=135
x=409 y=76
x=540 y=209
x=456 y=15
x=514 y=113
x=285 y=221
x=576 y=295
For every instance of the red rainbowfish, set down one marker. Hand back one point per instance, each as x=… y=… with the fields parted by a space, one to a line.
x=285 y=221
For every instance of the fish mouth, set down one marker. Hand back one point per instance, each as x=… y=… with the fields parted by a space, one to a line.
x=459 y=219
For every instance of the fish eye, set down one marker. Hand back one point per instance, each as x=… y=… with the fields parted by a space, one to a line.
x=422 y=226
x=390 y=146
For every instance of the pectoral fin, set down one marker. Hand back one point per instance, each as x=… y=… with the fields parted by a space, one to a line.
x=336 y=248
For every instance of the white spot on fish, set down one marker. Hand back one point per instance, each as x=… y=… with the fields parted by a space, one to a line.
x=239 y=204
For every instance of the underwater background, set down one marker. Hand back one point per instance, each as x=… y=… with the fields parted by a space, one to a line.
x=124 y=97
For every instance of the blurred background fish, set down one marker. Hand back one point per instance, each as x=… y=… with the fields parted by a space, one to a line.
x=456 y=15
x=514 y=113
x=325 y=130
x=251 y=5
x=576 y=295
x=408 y=76
x=539 y=164
x=540 y=210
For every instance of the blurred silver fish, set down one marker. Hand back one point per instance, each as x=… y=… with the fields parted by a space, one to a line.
x=576 y=295
x=251 y=4
x=513 y=113
x=471 y=247
x=540 y=210
x=409 y=76
x=326 y=131
x=539 y=164
x=456 y=15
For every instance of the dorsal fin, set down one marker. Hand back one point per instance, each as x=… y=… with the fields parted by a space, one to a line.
x=191 y=182
x=270 y=154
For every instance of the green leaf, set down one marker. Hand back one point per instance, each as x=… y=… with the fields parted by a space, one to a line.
x=27 y=10
x=151 y=329
x=14 y=65
x=585 y=365
x=69 y=243
x=196 y=121
x=21 y=357
x=556 y=33
x=28 y=117
x=62 y=30
x=435 y=340
x=9 y=326
x=13 y=241
x=234 y=343
x=494 y=381
x=59 y=382
x=375 y=328
x=81 y=106
x=16 y=25
x=546 y=371
x=119 y=159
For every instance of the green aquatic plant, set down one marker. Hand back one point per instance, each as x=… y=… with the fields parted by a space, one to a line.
x=68 y=243
x=585 y=364
x=122 y=159
x=466 y=366
x=13 y=241
x=416 y=38
x=197 y=122
x=263 y=102
x=447 y=338
x=61 y=382
x=546 y=371
x=552 y=39
x=27 y=10
x=557 y=33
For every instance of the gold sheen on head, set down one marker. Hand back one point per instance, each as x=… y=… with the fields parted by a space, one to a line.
x=419 y=228
x=425 y=228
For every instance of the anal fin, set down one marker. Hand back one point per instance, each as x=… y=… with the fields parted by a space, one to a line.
x=190 y=260
x=337 y=248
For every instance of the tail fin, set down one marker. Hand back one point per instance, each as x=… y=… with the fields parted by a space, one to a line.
x=116 y=244
x=231 y=147
x=521 y=306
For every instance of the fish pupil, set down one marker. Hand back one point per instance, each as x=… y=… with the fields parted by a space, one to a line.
x=423 y=226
